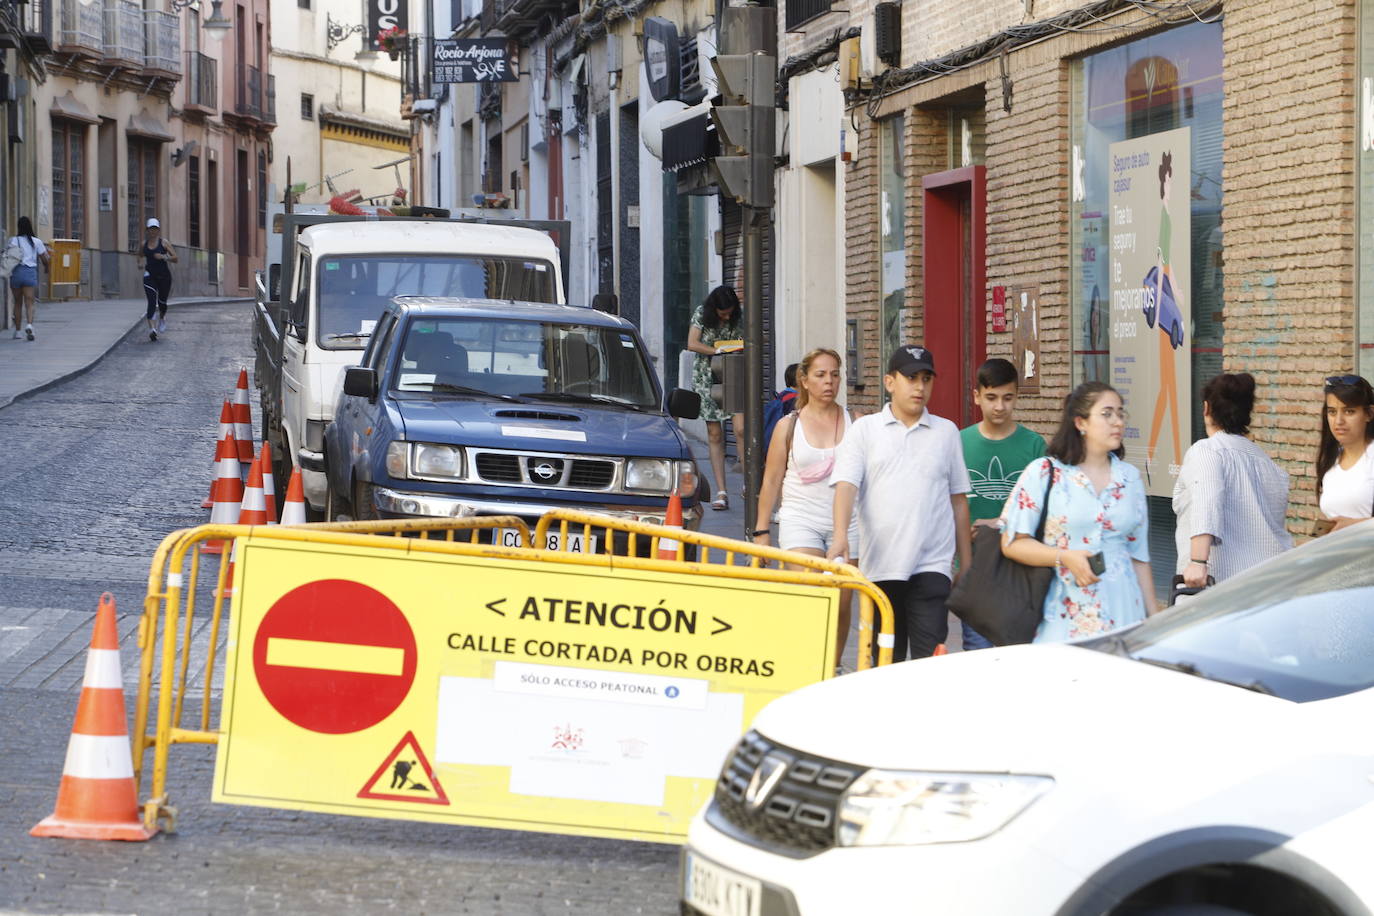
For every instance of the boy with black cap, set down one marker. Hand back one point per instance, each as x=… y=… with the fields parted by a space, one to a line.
x=904 y=468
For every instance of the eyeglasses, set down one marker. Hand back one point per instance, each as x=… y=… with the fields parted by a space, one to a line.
x=1113 y=413
x=1343 y=380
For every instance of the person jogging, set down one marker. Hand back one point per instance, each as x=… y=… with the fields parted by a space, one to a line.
x=157 y=276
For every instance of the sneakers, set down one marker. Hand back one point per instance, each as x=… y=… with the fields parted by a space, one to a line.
x=152 y=335
x=28 y=331
x=162 y=325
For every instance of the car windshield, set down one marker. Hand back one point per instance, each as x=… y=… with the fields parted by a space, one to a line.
x=1300 y=626
x=513 y=358
x=353 y=290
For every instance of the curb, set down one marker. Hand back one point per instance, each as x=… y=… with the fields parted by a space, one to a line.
x=81 y=370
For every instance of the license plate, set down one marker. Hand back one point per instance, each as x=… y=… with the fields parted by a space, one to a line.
x=718 y=891
x=577 y=543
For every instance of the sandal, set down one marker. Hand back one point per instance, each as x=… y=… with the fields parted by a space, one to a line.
x=722 y=501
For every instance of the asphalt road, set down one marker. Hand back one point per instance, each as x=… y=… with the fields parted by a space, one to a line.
x=94 y=473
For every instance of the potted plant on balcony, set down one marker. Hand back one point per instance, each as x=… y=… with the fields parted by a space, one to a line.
x=392 y=40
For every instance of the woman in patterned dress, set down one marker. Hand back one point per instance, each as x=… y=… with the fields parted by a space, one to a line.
x=1096 y=505
x=718 y=318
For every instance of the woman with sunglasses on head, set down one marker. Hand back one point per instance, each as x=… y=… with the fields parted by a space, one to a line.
x=717 y=319
x=1345 y=462
x=1096 y=522
x=1231 y=499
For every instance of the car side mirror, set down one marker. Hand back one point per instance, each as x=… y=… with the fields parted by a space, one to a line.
x=684 y=404
x=360 y=382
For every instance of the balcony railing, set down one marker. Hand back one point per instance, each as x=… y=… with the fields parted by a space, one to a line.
x=124 y=31
x=249 y=96
x=161 y=41
x=799 y=11
x=202 y=81
x=36 y=22
x=270 y=109
x=83 y=28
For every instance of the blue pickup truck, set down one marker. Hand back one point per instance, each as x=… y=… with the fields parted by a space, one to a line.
x=479 y=407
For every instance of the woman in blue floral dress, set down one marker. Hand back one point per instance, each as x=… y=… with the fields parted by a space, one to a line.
x=1096 y=505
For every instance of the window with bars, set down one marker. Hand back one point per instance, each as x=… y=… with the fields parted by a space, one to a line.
x=143 y=162
x=193 y=201
x=68 y=179
x=307 y=106
x=262 y=189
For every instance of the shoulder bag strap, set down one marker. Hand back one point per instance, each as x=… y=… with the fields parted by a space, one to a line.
x=1045 y=503
x=791 y=431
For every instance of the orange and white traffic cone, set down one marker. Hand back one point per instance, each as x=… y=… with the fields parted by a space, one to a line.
x=293 y=512
x=252 y=511
x=243 y=419
x=667 y=548
x=269 y=484
x=98 y=799
x=226 y=428
x=227 y=492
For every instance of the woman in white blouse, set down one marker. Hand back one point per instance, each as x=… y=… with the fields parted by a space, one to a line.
x=1345 y=463
x=1231 y=499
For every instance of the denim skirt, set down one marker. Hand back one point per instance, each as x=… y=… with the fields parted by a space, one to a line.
x=24 y=275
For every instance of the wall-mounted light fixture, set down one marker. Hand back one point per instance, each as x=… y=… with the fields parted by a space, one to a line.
x=216 y=24
x=335 y=31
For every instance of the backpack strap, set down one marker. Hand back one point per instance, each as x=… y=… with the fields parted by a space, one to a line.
x=791 y=431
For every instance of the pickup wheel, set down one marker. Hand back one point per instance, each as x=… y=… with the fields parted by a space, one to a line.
x=335 y=509
x=363 y=508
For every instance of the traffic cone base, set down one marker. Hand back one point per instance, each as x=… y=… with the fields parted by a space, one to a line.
x=97 y=799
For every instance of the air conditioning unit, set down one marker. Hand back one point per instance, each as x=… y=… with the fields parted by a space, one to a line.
x=887 y=33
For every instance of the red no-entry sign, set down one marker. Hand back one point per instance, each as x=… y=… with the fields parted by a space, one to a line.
x=334 y=656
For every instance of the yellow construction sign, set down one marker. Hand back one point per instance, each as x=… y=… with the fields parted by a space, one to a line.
x=500 y=692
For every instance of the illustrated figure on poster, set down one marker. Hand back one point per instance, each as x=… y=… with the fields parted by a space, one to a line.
x=1166 y=311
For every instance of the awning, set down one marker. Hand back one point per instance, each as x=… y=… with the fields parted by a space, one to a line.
x=145 y=125
x=69 y=107
x=685 y=138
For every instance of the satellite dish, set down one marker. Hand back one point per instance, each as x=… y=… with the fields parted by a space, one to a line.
x=181 y=155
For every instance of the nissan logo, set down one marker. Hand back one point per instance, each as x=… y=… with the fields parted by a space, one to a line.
x=765 y=779
x=545 y=470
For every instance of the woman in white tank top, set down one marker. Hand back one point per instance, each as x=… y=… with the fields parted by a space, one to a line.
x=800 y=459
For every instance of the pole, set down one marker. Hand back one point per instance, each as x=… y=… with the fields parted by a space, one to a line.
x=755 y=224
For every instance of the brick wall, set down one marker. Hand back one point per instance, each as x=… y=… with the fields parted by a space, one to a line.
x=862 y=275
x=1288 y=209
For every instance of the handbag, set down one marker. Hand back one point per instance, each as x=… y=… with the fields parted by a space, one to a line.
x=11 y=258
x=1002 y=599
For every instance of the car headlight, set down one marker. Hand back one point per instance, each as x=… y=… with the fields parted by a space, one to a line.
x=686 y=479
x=398 y=459
x=897 y=808
x=430 y=460
x=653 y=474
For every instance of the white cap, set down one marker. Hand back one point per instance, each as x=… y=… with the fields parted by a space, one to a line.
x=153 y=223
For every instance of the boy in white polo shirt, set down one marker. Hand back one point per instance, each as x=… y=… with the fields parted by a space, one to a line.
x=904 y=467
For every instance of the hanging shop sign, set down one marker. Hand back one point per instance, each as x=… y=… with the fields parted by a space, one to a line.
x=474 y=60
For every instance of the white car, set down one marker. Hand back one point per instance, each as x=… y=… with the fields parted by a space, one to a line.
x=1217 y=759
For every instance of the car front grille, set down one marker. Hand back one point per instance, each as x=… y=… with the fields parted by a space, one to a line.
x=591 y=475
x=798 y=815
x=498 y=468
x=551 y=470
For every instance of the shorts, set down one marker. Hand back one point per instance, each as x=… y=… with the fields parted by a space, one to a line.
x=795 y=532
x=23 y=275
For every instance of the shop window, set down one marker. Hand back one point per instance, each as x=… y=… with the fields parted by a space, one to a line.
x=892 y=233
x=143 y=163
x=1146 y=245
x=68 y=179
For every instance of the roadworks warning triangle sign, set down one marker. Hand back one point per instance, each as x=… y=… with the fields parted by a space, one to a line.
x=405 y=775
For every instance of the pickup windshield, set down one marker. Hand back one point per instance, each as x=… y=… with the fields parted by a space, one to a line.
x=506 y=357
x=354 y=289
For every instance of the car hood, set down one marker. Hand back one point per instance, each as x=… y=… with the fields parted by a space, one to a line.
x=1030 y=709
x=576 y=429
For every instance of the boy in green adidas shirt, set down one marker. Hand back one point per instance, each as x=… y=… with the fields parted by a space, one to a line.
x=996 y=451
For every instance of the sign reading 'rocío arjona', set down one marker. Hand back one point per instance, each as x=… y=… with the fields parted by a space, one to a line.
x=474 y=60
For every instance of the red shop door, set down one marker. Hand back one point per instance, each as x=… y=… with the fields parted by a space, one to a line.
x=955 y=267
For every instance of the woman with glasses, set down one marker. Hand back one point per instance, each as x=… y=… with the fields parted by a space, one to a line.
x=720 y=318
x=1345 y=463
x=1096 y=523
x=1231 y=499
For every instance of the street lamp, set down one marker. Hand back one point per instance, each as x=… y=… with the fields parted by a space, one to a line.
x=335 y=31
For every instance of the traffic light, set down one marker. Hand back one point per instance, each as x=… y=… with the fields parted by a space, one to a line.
x=745 y=127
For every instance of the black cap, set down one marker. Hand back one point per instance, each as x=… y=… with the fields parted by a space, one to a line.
x=911 y=359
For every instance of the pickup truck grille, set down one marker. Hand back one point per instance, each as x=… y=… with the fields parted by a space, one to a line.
x=591 y=475
x=498 y=468
x=798 y=817
x=545 y=470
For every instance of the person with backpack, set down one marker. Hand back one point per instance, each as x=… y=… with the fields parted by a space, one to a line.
x=783 y=403
x=28 y=251
x=798 y=466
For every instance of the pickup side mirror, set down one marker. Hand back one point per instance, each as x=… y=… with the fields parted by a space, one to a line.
x=683 y=403
x=360 y=382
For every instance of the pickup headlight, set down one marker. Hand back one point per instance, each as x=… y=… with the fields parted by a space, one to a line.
x=652 y=474
x=897 y=808
x=429 y=460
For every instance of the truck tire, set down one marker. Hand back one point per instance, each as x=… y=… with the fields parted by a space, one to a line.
x=335 y=509
x=363 y=508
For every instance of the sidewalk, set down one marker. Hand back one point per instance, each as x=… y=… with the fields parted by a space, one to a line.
x=69 y=338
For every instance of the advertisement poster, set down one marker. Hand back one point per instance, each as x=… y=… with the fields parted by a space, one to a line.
x=1150 y=284
x=474 y=60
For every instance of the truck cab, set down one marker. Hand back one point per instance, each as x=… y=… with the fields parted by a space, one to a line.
x=471 y=407
x=337 y=276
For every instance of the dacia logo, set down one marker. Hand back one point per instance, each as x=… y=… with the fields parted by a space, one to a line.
x=765 y=779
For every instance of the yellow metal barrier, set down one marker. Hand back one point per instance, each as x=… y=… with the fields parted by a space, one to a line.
x=174 y=578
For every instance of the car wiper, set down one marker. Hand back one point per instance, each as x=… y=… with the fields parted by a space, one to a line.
x=355 y=335
x=446 y=388
x=584 y=398
x=1189 y=668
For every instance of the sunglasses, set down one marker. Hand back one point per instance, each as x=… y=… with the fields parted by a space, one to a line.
x=1333 y=381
